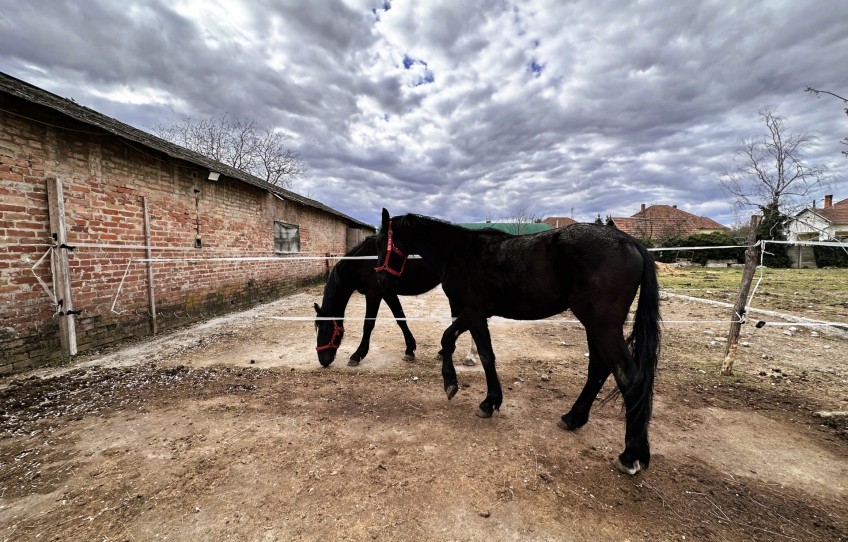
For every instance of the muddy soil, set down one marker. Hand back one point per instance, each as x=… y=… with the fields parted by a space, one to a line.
x=230 y=430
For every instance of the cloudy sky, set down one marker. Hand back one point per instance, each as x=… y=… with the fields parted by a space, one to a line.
x=464 y=109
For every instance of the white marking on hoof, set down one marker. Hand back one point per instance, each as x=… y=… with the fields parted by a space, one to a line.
x=627 y=470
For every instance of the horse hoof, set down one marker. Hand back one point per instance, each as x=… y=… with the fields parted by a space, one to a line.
x=469 y=362
x=568 y=423
x=451 y=391
x=409 y=357
x=625 y=469
x=353 y=362
x=483 y=414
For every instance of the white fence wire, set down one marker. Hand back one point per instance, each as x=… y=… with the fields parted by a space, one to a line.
x=287 y=257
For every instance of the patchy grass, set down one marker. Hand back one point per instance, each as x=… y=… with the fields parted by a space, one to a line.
x=814 y=293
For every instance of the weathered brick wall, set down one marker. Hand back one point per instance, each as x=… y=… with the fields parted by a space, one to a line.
x=105 y=181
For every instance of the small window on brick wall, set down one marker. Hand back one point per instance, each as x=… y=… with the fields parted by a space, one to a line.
x=286 y=237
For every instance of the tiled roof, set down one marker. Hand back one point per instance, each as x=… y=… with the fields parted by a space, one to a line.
x=836 y=214
x=25 y=91
x=664 y=221
x=559 y=221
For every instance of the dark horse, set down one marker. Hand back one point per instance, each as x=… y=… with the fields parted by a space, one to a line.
x=357 y=275
x=591 y=269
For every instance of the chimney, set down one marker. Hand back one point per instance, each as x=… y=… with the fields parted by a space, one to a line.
x=642 y=210
x=828 y=201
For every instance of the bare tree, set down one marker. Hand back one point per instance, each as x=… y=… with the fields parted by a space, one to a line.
x=771 y=172
x=818 y=94
x=240 y=144
x=520 y=215
x=280 y=163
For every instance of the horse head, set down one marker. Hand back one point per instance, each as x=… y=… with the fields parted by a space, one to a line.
x=329 y=336
x=390 y=253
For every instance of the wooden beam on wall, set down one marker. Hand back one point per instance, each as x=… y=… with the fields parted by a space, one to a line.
x=151 y=299
x=60 y=268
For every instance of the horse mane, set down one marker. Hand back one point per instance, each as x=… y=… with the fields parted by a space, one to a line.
x=367 y=247
x=333 y=286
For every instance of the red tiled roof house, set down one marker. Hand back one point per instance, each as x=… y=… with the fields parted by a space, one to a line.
x=659 y=222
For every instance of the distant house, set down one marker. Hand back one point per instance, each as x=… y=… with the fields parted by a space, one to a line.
x=559 y=221
x=515 y=228
x=820 y=224
x=658 y=222
x=828 y=223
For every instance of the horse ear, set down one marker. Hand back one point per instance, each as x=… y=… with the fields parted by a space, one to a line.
x=317 y=309
x=385 y=219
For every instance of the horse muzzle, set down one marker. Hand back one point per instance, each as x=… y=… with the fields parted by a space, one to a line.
x=326 y=357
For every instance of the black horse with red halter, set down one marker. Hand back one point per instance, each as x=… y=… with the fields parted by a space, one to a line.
x=594 y=270
x=356 y=274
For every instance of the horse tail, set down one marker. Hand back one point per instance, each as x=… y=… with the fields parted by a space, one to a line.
x=644 y=339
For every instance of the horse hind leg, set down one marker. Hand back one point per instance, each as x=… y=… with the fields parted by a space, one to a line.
x=494 y=392
x=637 y=452
x=446 y=354
x=614 y=352
x=472 y=357
x=597 y=376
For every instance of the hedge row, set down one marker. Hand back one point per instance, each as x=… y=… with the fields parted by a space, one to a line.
x=776 y=257
x=830 y=256
x=701 y=256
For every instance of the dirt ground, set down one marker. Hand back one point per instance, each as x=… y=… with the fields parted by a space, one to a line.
x=230 y=430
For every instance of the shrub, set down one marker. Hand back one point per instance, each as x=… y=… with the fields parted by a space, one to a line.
x=830 y=256
x=771 y=228
x=714 y=239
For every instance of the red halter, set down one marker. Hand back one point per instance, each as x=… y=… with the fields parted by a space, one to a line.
x=337 y=334
x=391 y=249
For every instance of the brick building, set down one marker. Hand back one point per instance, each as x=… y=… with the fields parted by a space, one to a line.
x=159 y=232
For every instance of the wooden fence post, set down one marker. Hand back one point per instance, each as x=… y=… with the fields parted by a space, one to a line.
x=59 y=266
x=741 y=298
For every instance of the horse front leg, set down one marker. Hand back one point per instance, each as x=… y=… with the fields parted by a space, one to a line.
x=494 y=394
x=397 y=310
x=372 y=306
x=448 y=347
